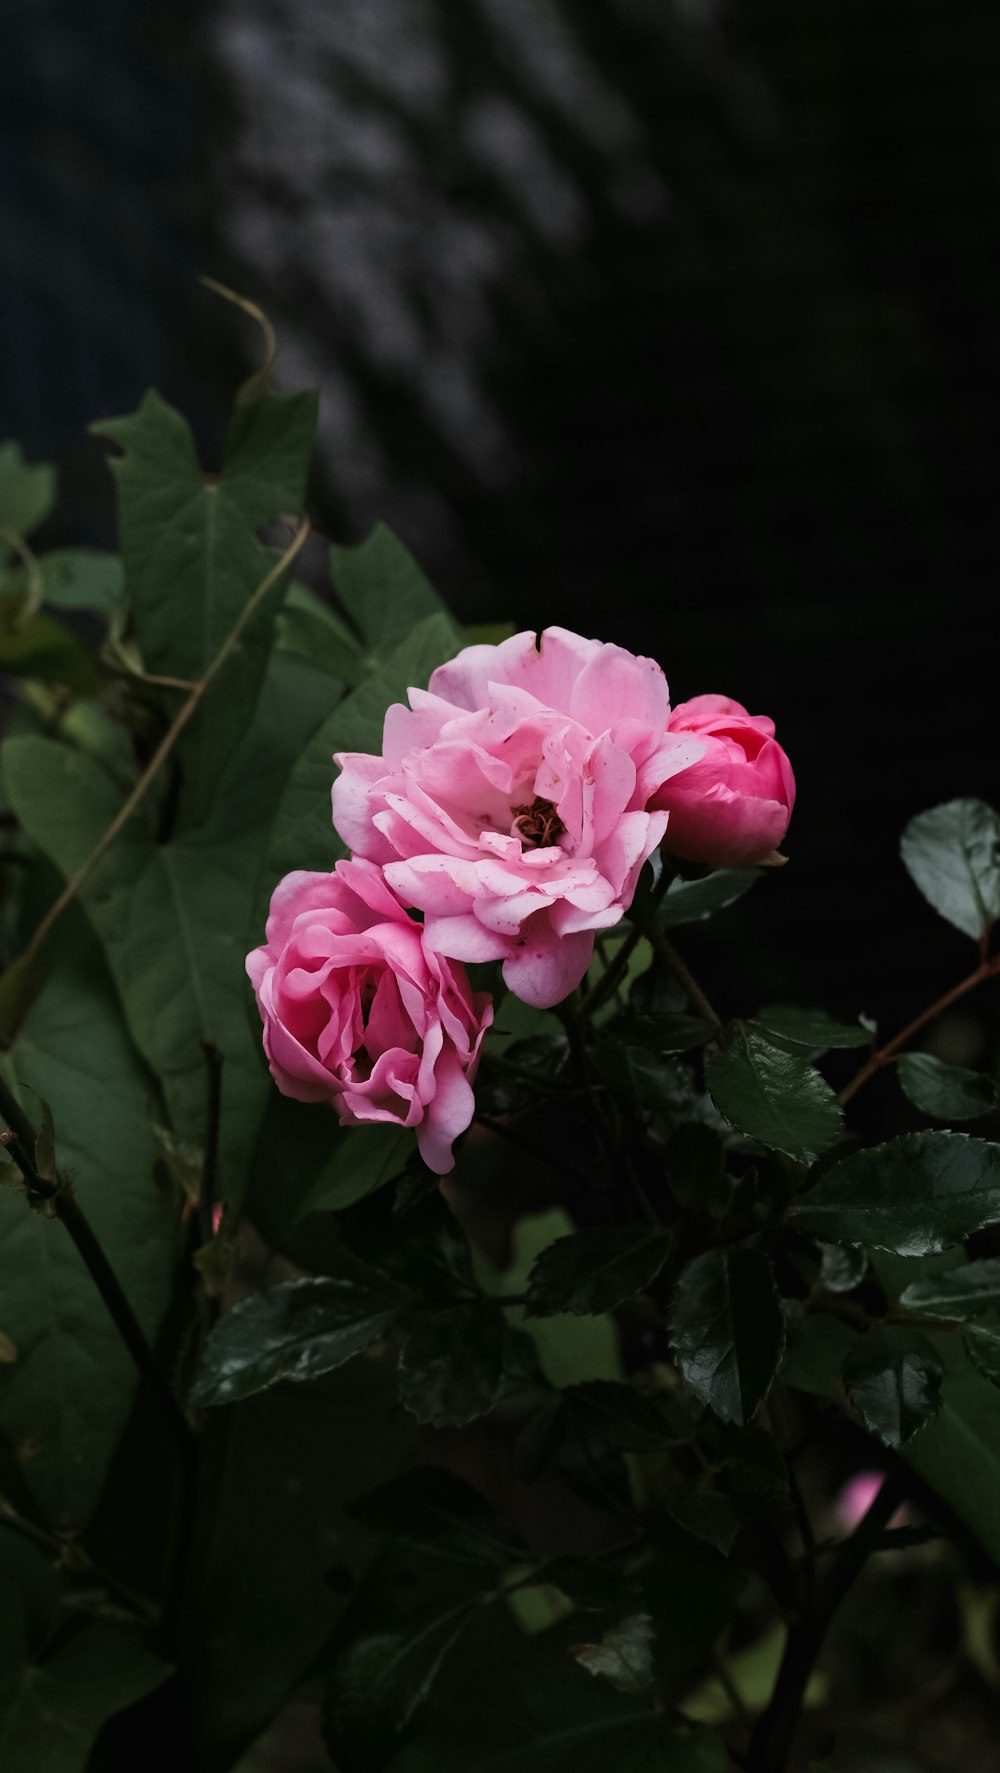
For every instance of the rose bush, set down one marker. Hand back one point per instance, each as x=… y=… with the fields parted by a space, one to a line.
x=511 y=801
x=357 y=1011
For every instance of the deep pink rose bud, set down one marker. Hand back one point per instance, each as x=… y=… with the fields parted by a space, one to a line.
x=359 y=1012
x=732 y=807
x=510 y=803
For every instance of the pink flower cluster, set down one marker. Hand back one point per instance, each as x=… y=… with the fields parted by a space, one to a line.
x=512 y=806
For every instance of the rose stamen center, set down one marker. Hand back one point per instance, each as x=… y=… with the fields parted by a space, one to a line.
x=537 y=825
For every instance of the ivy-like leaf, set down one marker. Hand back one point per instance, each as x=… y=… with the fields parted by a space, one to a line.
x=727 y=1330
x=893 y=1379
x=915 y=1195
x=451 y=1368
x=596 y=1270
x=948 y=1092
x=961 y=1293
x=952 y=853
x=385 y=593
x=51 y=1710
x=296 y=1331
x=27 y=490
x=773 y=1096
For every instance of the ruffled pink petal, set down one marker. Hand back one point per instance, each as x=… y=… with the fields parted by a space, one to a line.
x=544 y=968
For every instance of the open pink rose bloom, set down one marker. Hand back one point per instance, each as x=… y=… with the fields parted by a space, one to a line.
x=513 y=805
x=510 y=804
x=358 y=1012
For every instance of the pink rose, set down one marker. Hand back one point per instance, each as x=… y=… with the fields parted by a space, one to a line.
x=510 y=802
x=357 y=1011
x=732 y=807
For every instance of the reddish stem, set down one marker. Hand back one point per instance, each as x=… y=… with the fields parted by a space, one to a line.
x=883 y=1055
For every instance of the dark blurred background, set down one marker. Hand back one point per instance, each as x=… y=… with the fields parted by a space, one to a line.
x=674 y=321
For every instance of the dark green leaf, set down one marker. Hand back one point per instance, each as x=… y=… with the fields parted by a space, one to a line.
x=308 y=628
x=813 y=1029
x=434 y=1515
x=302 y=835
x=41 y=647
x=952 y=853
x=51 y=1710
x=561 y=1721
x=960 y=1293
x=609 y=1414
x=982 y=1343
x=696 y=1170
x=27 y=491
x=623 y=1656
x=596 y=1270
x=268 y=445
x=294 y=1457
x=817 y=1348
x=382 y=1678
x=451 y=1368
x=82 y=578
x=690 y=901
x=914 y=1195
x=893 y=1382
x=708 y=1516
x=192 y=562
x=296 y=1331
x=67 y=1397
x=773 y=1097
x=948 y=1092
x=386 y=594
x=727 y=1331
x=664 y=1033
x=362 y=1161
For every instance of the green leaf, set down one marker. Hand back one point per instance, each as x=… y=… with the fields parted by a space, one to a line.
x=308 y=628
x=382 y=1678
x=982 y=1344
x=268 y=445
x=596 y=1270
x=727 y=1331
x=302 y=834
x=386 y=594
x=691 y=901
x=27 y=492
x=948 y=1092
x=41 y=647
x=192 y=562
x=297 y=1331
x=51 y=1710
x=893 y=1382
x=362 y=1161
x=82 y=578
x=813 y=1029
x=816 y=1351
x=451 y=1369
x=570 y=1349
x=607 y=1413
x=952 y=853
x=916 y=1194
x=663 y=1033
x=561 y=1721
x=773 y=1097
x=960 y=1293
x=623 y=1656
x=295 y=1459
x=66 y=1399
x=174 y=918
